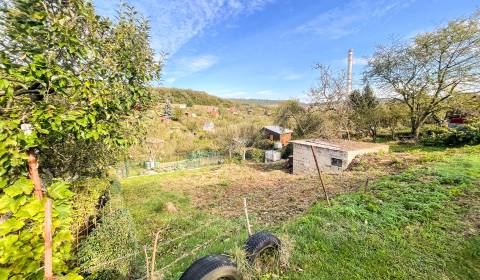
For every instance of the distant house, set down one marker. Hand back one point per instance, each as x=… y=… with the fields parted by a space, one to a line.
x=277 y=134
x=232 y=110
x=332 y=155
x=212 y=110
x=179 y=105
x=455 y=120
x=209 y=127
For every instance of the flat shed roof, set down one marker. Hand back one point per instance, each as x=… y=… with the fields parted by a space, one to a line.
x=339 y=144
x=278 y=129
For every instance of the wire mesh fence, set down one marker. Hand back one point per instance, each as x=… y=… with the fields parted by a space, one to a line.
x=191 y=161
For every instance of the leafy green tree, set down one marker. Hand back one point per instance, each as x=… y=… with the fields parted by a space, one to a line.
x=66 y=76
x=366 y=112
x=431 y=69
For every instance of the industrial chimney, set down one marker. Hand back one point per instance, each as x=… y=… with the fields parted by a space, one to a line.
x=349 y=77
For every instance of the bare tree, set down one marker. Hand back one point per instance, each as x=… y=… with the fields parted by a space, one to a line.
x=327 y=114
x=331 y=97
x=430 y=69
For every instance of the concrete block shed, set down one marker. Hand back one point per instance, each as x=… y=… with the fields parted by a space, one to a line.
x=332 y=155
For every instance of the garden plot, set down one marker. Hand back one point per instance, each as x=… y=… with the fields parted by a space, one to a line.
x=431 y=192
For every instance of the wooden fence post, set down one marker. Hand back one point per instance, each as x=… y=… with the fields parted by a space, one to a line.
x=48 y=240
x=320 y=175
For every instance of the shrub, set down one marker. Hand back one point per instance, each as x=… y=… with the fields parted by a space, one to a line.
x=465 y=135
x=112 y=239
x=256 y=155
x=433 y=130
x=86 y=201
x=264 y=144
x=287 y=151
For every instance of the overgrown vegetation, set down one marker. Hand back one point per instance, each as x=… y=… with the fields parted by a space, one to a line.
x=69 y=83
x=410 y=225
x=464 y=135
x=419 y=223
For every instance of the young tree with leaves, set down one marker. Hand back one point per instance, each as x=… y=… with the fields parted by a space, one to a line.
x=67 y=76
x=432 y=68
x=367 y=115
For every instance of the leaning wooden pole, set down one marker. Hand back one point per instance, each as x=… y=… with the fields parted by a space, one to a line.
x=245 y=208
x=37 y=185
x=320 y=175
x=33 y=174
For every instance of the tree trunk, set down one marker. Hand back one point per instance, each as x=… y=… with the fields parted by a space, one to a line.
x=392 y=133
x=414 y=125
x=244 y=152
x=373 y=132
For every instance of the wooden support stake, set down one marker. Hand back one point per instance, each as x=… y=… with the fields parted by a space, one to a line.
x=152 y=270
x=249 y=227
x=37 y=186
x=320 y=175
x=48 y=240
x=366 y=184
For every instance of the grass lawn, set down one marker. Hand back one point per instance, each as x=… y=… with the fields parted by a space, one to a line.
x=419 y=222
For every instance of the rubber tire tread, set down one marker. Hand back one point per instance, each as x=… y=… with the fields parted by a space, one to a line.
x=203 y=266
x=258 y=242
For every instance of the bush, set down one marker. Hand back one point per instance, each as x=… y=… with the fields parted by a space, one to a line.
x=87 y=200
x=264 y=144
x=112 y=239
x=465 y=135
x=256 y=155
x=433 y=130
x=287 y=151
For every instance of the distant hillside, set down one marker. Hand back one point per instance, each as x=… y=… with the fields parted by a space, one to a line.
x=189 y=97
x=264 y=102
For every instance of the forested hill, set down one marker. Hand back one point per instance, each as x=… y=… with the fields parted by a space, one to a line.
x=265 y=102
x=188 y=96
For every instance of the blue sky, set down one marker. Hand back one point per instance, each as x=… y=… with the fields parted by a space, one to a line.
x=267 y=48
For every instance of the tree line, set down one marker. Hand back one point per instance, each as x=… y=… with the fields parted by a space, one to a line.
x=420 y=81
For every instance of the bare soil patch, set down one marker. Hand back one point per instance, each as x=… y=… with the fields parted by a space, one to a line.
x=275 y=195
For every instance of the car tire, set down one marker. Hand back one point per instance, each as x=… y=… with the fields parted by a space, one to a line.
x=258 y=243
x=212 y=267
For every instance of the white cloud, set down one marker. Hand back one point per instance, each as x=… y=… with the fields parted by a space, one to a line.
x=197 y=64
x=175 y=22
x=266 y=92
x=170 y=80
x=186 y=66
x=350 y=18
